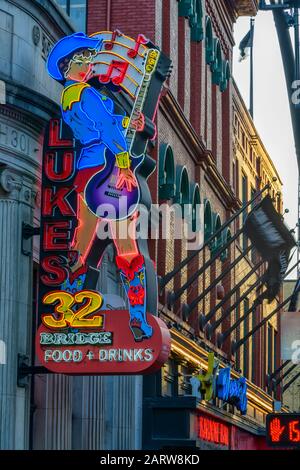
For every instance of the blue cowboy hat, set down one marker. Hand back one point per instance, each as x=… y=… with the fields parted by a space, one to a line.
x=67 y=46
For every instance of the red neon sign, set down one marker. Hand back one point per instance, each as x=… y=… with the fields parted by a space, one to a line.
x=294 y=431
x=213 y=431
x=283 y=429
x=77 y=335
x=104 y=348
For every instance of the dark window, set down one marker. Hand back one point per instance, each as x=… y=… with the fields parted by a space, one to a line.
x=279 y=204
x=270 y=349
x=208 y=228
x=243 y=139
x=236 y=317
x=76 y=10
x=235 y=121
x=276 y=355
x=253 y=356
x=233 y=176
x=253 y=252
x=237 y=174
x=246 y=345
x=244 y=201
x=170 y=379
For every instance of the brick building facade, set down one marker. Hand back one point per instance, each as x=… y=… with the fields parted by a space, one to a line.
x=201 y=158
x=206 y=133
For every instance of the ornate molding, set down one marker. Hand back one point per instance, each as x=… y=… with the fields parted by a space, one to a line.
x=246 y=7
x=17 y=186
x=22 y=117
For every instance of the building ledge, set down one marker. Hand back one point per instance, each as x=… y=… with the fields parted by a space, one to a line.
x=245 y=7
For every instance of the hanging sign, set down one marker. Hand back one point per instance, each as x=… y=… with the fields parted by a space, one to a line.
x=217 y=383
x=94 y=167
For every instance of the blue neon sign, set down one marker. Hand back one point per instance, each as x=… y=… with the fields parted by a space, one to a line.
x=232 y=391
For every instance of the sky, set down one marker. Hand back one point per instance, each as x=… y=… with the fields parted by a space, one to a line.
x=271 y=107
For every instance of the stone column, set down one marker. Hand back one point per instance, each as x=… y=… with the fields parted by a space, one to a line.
x=16 y=206
x=53 y=414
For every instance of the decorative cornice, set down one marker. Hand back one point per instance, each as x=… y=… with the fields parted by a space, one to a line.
x=39 y=107
x=243 y=7
x=16 y=186
x=223 y=28
x=22 y=117
x=48 y=10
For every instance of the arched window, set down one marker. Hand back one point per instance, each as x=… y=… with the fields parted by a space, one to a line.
x=182 y=195
x=217 y=65
x=166 y=172
x=226 y=236
x=217 y=242
x=193 y=10
x=209 y=41
x=185 y=8
x=208 y=227
x=197 y=24
x=195 y=202
x=225 y=76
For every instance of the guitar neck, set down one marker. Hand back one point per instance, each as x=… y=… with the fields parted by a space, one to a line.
x=151 y=62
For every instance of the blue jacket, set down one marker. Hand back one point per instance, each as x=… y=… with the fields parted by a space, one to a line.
x=91 y=117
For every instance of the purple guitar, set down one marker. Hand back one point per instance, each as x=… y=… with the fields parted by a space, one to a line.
x=104 y=199
x=102 y=196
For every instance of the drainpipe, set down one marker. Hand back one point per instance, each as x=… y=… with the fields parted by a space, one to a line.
x=108 y=15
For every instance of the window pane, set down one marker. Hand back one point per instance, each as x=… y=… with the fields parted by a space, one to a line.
x=78 y=14
x=76 y=9
x=62 y=3
x=244 y=200
x=246 y=348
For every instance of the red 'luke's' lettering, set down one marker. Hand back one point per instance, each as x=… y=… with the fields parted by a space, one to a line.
x=56 y=273
x=53 y=198
x=54 y=135
x=57 y=235
x=51 y=164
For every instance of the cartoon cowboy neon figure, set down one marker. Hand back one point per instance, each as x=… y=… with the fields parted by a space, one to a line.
x=90 y=115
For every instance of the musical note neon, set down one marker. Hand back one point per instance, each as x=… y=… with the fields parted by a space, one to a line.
x=141 y=39
x=120 y=67
x=110 y=45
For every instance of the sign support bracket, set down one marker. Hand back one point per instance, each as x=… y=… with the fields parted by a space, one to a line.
x=28 y=231
x=24 y=370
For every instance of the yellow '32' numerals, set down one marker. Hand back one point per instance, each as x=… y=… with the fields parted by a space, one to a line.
x=64 y=301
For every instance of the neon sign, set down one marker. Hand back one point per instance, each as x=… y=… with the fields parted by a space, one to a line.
x=283 y=430
x=216 y=383
x=94 y=164
x=232 y=391
x=214 y=431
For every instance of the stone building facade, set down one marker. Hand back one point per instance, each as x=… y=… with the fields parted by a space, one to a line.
x=27 y=31
x=43 y=411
